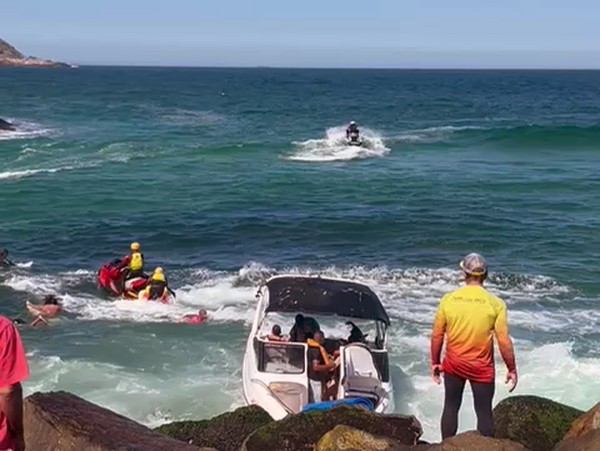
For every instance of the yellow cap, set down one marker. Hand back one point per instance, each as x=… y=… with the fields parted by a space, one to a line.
x=158 y=270
x=135 y=246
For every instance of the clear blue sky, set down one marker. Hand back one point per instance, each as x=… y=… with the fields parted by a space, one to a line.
x=323 y=33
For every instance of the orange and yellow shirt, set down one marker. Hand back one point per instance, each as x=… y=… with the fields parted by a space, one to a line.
x=468 y=318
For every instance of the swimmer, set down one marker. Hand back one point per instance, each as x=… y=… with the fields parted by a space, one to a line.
x=193 y=318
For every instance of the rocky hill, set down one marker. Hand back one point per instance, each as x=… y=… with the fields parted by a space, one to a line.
x=10 y=56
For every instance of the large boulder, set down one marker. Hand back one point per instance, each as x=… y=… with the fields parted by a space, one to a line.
x=472 y=441
x=62 y=421
x=587 y=422
x=225 y=432
x=301 y=432
x=535 y=422
x=589 y=441
x=584 y=433
x=352 y=439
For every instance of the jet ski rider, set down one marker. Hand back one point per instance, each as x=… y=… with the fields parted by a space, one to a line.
x=157 y=285
x=133 y=263
x=352 y=131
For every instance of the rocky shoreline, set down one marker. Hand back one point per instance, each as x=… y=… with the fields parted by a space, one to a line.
x=11 y=57
x=61 y=420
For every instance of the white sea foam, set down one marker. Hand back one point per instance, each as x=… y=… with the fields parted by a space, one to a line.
x=333 y=147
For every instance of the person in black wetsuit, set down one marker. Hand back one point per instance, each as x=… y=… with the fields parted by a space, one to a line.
x=4 y=261
x=352 y=131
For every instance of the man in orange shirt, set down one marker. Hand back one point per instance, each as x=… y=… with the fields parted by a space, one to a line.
x=468 y=318
x=13 y=369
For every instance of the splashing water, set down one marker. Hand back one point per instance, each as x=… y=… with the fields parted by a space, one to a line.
x=333 y=147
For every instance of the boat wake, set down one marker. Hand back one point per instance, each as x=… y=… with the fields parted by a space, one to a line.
x=333 y=147
x=25 y=130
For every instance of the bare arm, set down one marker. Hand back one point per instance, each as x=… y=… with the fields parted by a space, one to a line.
x=505 y=344
x=11 y=405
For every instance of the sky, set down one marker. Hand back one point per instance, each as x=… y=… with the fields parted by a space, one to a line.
x=309 y=33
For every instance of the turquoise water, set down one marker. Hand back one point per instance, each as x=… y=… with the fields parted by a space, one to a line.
x=226 y=176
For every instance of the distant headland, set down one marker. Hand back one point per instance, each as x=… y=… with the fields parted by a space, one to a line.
x=11 y=57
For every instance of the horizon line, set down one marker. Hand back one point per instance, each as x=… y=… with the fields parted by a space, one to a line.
x=441 y=68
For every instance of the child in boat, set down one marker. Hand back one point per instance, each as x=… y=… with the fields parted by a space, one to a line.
x=275 y=334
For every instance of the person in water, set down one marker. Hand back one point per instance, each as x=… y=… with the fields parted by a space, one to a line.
x=199 y=318
x=157 y=288
x=4 y=261
x=133 y=263
x=352 y=131
x=467 y=319
x=51 y=308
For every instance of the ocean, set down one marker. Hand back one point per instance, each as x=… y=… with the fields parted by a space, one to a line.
x=227 y=176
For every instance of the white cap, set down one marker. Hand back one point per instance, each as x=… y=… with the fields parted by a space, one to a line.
x=474 y=265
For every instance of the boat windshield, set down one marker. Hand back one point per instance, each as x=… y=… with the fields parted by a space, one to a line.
x=281 y=358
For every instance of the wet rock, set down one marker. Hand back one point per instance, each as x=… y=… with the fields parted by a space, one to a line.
x=301 y=432
x=535 y=422
x=352 y=439
x=62 y=421
x=225 y=432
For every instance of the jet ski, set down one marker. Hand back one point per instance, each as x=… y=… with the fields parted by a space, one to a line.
x=111 y=278
x=354 y=140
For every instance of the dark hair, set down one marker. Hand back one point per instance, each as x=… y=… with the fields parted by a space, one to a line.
x=50 y=300
x=276 y=330
x=299 y=318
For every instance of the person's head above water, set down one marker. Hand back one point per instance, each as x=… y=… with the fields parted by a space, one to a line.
x=276 y=330
x=50 y=299
x=203 y=313
x=352 y=123
x=474 y=268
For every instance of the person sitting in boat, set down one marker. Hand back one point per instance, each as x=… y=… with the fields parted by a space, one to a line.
x=321 y=367
x=193 y=318
x=157 y=288
x=276 y=335
x=133 y=263
x=352 y=132
x=356 y=335
x=304 y=327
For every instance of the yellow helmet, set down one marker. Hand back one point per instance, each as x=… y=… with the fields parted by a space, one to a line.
x=135 y=246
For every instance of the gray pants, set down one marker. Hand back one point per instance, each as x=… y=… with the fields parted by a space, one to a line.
x=315 y=387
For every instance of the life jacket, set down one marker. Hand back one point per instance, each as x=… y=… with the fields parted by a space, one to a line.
x=136 y=262
x=313 y=344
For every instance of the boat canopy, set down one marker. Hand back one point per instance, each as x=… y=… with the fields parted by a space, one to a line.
x=317 y=295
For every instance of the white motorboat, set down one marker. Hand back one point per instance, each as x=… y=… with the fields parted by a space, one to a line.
x=276 y=374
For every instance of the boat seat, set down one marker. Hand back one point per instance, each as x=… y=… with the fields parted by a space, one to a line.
x=362 y=378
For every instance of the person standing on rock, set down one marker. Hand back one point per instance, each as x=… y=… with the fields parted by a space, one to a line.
x=13 y=370
x=467 y=319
